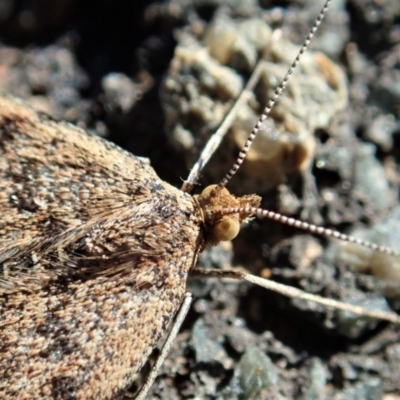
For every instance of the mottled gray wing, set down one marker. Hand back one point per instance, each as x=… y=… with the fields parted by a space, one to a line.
x=94 y=254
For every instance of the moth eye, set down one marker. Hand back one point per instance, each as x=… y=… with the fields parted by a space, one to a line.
x=226 y=229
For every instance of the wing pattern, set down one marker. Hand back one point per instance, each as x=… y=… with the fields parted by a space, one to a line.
x=94 y=254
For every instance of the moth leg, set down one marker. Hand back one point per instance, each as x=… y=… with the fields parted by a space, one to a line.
x=289 y=291
x=216 y=139
x=177 y=323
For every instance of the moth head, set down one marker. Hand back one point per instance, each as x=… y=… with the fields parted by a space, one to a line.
x=221 y=225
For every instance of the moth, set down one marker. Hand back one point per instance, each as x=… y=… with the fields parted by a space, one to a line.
x=95 y=254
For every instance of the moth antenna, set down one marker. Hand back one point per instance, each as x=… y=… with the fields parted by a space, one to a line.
x=311 y=228
x=243 y=152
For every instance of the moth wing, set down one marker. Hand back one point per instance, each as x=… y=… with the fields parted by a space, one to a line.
x=94 y=254
x=74 y=205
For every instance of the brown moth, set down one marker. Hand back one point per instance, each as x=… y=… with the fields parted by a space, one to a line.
x=102 y=257
x=95 y=253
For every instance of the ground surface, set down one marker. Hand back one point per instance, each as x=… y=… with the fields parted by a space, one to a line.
x=103 y=67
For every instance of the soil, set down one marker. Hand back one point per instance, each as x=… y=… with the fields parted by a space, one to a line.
x=103 y=65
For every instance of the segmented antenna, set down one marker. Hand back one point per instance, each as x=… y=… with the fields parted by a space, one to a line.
x=277 y=93
x=311 y=228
